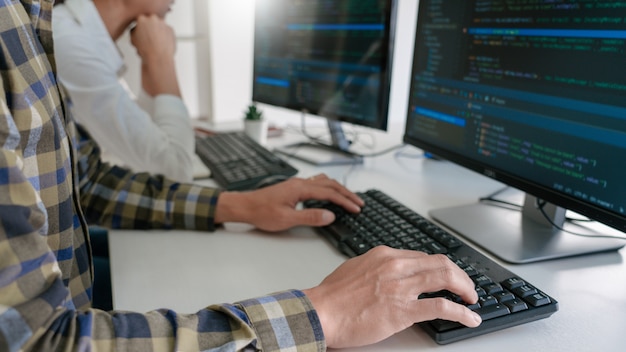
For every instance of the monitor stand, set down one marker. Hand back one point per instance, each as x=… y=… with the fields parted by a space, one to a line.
x=526 y=236
x=320 y=154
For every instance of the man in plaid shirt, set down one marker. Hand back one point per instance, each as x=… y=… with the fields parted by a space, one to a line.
x=45 y=255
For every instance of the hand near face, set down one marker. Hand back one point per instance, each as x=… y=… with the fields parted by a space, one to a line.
x=274 y=208
x=153 y=37
x=156 y=45
x=373 y=296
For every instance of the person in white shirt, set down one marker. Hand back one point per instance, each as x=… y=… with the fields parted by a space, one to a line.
x=152 y=133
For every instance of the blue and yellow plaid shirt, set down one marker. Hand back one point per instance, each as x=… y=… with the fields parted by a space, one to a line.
x=45 y=259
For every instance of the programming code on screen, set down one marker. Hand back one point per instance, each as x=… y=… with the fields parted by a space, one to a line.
x=324 y=57
x=533 y=88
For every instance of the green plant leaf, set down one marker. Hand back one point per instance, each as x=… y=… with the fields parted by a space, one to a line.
x=253 y=113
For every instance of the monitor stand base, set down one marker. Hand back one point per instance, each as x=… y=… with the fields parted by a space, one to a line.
x=319 y=154
x=514 y=238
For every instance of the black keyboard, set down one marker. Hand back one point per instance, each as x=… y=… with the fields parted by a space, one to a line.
x=237 y=162
x=505 y=299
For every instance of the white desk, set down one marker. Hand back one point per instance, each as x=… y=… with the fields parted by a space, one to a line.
x=186 y=270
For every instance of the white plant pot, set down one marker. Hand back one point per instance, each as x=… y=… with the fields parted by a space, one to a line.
x=257 y=130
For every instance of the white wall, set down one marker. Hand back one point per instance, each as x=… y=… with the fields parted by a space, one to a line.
x=231 y=33
x=214 y=59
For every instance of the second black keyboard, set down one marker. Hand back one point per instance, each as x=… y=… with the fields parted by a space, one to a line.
x=505 y=299
x=237 y=162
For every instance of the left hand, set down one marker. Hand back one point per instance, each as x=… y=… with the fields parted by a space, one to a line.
x=274 y=208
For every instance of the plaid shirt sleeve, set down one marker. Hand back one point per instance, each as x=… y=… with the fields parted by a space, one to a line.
x=45 y=262
x=116 y=198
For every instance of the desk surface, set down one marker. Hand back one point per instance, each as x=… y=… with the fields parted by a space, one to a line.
x=157 y=269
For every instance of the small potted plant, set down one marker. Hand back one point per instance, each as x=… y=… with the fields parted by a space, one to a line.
x=255 y=126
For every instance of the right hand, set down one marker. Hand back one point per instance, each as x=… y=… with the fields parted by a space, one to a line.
x=274 y=208
x=155 y=42
x=153 y=37
x=373 y=296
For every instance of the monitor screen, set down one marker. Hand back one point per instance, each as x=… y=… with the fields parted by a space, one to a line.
x=531 y=94
x=330 y=58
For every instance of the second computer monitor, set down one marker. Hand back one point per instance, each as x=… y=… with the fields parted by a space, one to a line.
x=531 y=94
x=330 y=58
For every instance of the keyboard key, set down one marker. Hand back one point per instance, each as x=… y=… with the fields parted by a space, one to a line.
x=524 y=291
x=492 y=288
x=513 y=282
x=486 y=301
x=516 y=305
x=504 y=296
x=538 y=299
x=493 y=311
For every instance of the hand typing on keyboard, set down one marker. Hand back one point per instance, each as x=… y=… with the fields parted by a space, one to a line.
x=273 y=208
x=504 y=298
x=373 y=296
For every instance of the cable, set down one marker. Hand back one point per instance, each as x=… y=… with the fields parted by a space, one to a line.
x=355 y=134
x=499 y=202
x=303 y=129
x=541 y=205
x=509 y=205
x=344 y=178
x=382 y=152
x=400 y=154
x=492 y=195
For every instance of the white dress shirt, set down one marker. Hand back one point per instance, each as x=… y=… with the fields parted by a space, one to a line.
x=155 y=135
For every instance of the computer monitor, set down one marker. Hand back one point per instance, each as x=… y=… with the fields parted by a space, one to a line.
x=330 y=58
x=532 y=95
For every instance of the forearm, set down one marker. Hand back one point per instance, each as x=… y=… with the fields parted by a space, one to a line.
x=115 y=197
x=244 y=326
x=158 y=76
x=174 y=151
x=232 y=207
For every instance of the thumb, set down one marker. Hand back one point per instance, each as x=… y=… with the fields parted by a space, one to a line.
x=314 y=217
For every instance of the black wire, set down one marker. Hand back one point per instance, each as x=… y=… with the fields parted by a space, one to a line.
x=382 y=152
x=347 y=174
x=304 y=132
x=509 y=205
x=542 y=204
x=499 y=202
x=492 y=195
x=502 y=203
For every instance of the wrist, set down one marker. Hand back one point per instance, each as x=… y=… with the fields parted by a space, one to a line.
x=302 y=330
x=231 y=207
x=156 y=62
x=325 y=321
x=159 y=76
